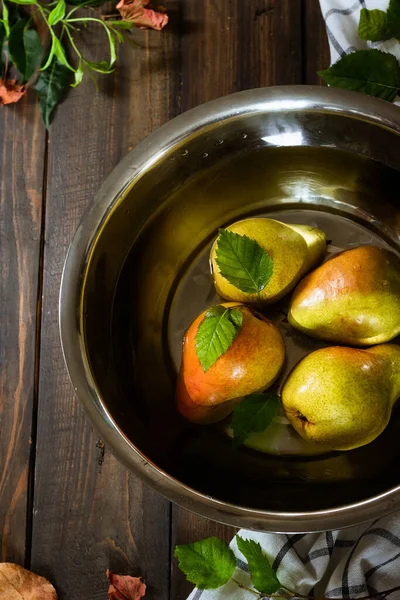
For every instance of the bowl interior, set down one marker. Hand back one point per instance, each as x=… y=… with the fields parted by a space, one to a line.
x=148 y=278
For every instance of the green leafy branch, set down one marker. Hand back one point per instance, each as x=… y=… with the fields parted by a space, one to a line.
x=372 y=71
x=51 y=69
x=210 y=564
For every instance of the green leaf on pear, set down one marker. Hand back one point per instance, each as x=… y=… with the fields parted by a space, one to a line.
x=216 y=334
x=243 y=262
x=254 y=414
x=372 y=72
x=262 y=575
x=208 y=564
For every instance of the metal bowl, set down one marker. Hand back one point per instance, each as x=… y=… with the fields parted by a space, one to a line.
x=137 y=274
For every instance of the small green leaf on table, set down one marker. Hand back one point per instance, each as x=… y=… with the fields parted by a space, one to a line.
x=58 y=13
x=393 y=18
x=373 y=25
x=262 y=575
x=254 y=414
x=25 y=48
x=208 y=564
x=216 y=333
x=50 y=86
x=372 y=72
x=243 y=262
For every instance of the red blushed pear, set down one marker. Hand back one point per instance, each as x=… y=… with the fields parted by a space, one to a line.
x=352 y=299
x=251 y=364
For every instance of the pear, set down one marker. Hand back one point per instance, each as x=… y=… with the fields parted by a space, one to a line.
x=251 y=364
x=294 y=249
x=352 y=299
x=343 y=397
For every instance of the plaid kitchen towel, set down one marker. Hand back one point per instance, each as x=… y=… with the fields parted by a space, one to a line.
x=341 y=21
x=350 y=563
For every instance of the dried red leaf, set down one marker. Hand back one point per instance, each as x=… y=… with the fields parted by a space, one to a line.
x=10 y=91
x=124 y=587
x=135 y=11
x=17 y=583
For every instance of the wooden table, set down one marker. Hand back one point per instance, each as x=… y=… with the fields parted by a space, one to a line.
x=68 y=509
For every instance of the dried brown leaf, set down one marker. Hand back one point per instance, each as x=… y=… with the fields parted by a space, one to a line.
x=124 y=587
x=10 y=92
x=17 y=583
x=135 y=11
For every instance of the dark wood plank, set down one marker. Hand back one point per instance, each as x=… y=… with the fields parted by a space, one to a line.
x=233 y=45
x=23 y=141
x=316 y=48
x=90 y=513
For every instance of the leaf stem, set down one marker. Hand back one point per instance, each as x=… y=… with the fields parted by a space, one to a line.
x=71 y=39
x=243 y=587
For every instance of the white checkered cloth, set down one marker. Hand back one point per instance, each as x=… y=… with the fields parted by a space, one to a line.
x=350 y=563
x=341 y=21
x=353 y=562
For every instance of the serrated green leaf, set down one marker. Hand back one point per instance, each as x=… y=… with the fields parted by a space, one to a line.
x=373 y=25
x=372 y=72
x=216 y=333
x=236 y=316
x=243 y=262
x=78 y=74
x=262 y=575
x=393 y=18
x=25 y=48
x=208 y=564
x=254 y=414
x=58 y=13
x=50 y=86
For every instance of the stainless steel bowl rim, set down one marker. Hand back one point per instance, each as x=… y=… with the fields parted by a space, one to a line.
x=275 y=99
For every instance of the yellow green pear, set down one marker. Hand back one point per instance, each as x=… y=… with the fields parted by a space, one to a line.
x=353 y=298
x=343 y=397
x=294 y=250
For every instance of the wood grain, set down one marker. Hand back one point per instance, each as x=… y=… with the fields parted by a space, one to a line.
x=90 y=514
x=315 y=44
x=22 y=160
x=235 y=45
